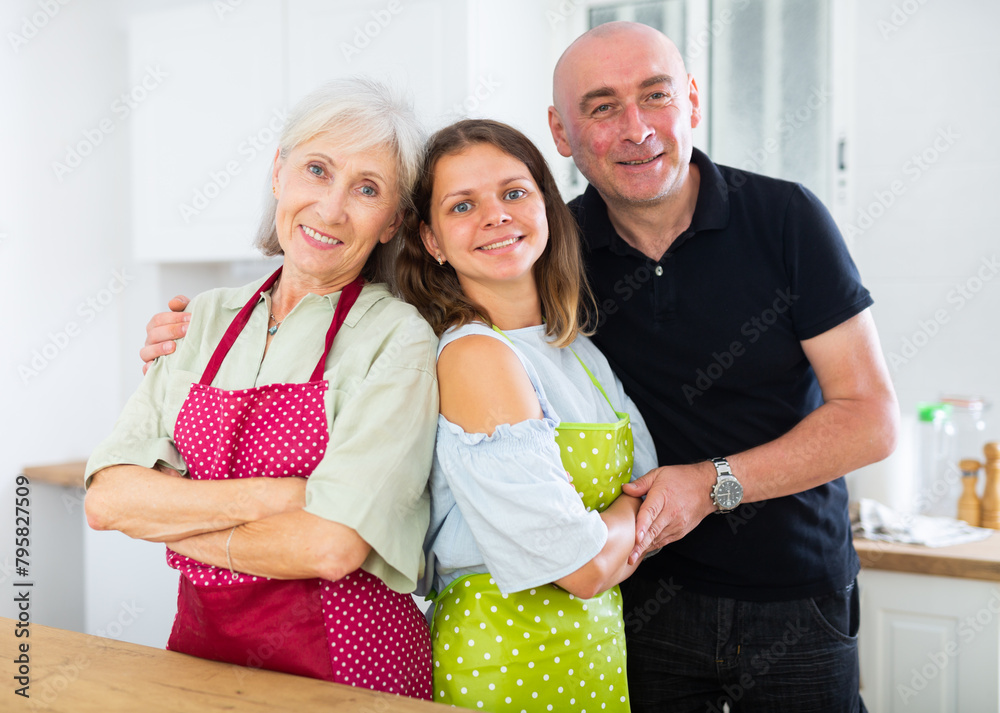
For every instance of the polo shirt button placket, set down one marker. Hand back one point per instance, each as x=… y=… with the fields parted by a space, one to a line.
x=665 y=298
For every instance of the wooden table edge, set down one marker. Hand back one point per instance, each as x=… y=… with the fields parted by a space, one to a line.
x=81 y=673
x=67 y=475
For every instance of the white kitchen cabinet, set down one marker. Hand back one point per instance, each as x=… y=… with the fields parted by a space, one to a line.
x=930 y=643
x=202 y=140
x=417 y=45
x=204 y=137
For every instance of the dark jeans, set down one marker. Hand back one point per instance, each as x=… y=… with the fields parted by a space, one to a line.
x=691 y=652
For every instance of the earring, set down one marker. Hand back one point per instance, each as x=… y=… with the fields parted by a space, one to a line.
x=440 y=259
x=274 y=190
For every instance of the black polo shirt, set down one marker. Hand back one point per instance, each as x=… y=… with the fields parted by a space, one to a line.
x=707 y=343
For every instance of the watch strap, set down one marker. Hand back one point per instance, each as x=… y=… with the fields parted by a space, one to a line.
x=723 y=472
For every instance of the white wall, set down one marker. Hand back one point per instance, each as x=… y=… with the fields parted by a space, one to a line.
x=62 y=241
x=927 y=87
x=60 y=246
x=925 y=176
x=76 y=305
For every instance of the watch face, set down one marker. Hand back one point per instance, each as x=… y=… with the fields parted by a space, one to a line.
x=728 y=493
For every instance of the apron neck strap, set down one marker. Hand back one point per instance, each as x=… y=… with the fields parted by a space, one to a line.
x=593 y=378
x=348 y=296
x=596 y=382
x=229 y=338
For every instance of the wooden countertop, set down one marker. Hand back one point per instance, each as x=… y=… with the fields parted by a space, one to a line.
x=79 y=673
x=972 y=560
x=69 y=475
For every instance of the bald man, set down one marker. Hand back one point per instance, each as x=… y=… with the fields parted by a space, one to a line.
x=733 y=313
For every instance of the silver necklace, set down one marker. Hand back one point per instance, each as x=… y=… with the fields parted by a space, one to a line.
x=277 y=323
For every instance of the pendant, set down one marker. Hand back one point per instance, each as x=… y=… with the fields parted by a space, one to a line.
x=272 y=330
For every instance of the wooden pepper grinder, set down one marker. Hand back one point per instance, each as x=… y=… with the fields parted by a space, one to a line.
x=991 y=495
x=969 y=507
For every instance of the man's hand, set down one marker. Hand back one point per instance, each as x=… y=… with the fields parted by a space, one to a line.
x=163 y=328
x=677 y=499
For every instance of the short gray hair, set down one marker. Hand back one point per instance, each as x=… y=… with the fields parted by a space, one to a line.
x=361 y=114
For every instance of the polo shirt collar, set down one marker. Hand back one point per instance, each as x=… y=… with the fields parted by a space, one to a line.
x=370 y=295
x=711 y=210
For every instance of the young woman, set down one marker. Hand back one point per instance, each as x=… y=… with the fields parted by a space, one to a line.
x=529 y=533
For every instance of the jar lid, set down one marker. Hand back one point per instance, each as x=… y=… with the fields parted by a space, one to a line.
x=929 y=411
x=970 y=403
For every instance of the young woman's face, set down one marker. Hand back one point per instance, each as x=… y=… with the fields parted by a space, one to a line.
x=487 y=217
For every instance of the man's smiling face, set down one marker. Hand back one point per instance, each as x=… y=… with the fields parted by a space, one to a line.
x=624 y=110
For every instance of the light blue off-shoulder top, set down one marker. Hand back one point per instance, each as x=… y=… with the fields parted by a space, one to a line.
x=502 y=503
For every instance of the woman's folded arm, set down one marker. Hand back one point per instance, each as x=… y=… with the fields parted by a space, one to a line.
x=291 y=545
x=148 y=504
x=611 y=564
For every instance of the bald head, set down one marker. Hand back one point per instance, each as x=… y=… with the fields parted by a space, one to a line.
x=624 y=108
x=599 y=49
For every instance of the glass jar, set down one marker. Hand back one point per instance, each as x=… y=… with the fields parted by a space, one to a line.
x=969 y=416
x=939 y=483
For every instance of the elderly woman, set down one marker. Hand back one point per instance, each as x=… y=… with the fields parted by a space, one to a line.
x=282 y=451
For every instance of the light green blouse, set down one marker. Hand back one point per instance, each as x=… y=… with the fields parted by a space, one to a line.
x=381 y=406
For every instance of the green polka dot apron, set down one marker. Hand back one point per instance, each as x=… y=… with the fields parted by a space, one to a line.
x=541 y=649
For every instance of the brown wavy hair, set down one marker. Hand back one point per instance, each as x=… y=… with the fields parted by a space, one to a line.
x=435 y=290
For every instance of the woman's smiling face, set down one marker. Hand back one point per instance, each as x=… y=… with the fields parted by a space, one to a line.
x=334 y=206
x=487 y=216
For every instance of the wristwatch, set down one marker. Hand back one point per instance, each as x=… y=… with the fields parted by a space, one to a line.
x=727 y=492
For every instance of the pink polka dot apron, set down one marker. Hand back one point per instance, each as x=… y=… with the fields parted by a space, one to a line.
x=354 y=631
x=541 y=649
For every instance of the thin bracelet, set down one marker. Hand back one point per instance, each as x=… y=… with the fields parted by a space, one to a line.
x=228 y=558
